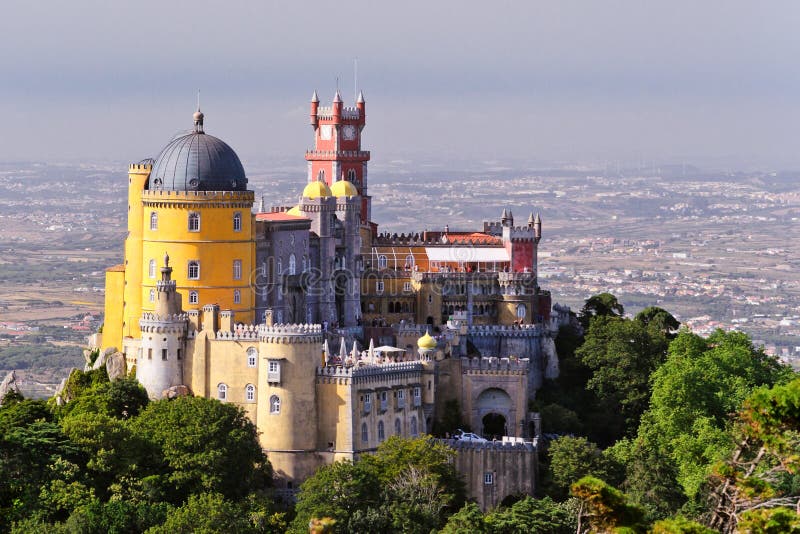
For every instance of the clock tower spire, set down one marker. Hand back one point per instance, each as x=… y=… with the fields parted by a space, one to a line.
x=337 y=153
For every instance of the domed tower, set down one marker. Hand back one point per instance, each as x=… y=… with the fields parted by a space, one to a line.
x=348 y=210
x=427 y=346
x=160 y=364
x=195 y=199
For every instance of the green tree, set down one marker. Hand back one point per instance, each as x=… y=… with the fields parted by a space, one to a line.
x=543 y=516
x=679 y=525
x=604 y=508
x=570 y=459
x=205 y=513
x=702 y=383
x=659 y=318
x=201 y=445
x=468 y=520
x=622 y=354
x=600 y=305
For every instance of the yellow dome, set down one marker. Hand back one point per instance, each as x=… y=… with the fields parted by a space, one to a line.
x=316 y=189
x=426 y=342
x=295 y=211
x=343 y=188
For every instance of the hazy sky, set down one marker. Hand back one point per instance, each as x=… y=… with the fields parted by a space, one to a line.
x=558 y=80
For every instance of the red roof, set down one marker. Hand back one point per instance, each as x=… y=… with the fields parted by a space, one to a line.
x=278 y=216
x=474 y=238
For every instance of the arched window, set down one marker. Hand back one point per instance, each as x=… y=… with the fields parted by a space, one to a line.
x=194 y=270
x=391 y=307
x=153 y=220
x=351 y=175
x=237 y=296
x=237 y=269
x=237 y=221
x=382 y=262
x=152 y=295
x=194 y=222
x=278 y=267
x=152 y=269
x=397 y=427
x=250 y=393
x=292 y=264
x=409 y=262
x=521 y=310
x=305 y=264
x=222 y=392
x=321 y=176
x=381 y=433
x=193 y=297
x=274 y=404
x=413 y=426
x=364 y=433
x=252 y=357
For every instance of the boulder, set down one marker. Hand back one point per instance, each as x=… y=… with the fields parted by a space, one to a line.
x=9 y=383
x=176 y=391
x=115 y=366
x=100 y=361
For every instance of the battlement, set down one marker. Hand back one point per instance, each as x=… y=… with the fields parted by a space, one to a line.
x=290 y=333
x=339 y=155
x=198 y=196
x=505 y=445
x=140 y=167
x=370 y=372
x=166 y=324
x=524 y=330
x=494 y=365
x=326 y=112
x=241 y=332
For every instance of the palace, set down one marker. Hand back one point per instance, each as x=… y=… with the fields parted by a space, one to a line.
x=331 y=335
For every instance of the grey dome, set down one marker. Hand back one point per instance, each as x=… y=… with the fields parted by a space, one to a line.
x=197 y=161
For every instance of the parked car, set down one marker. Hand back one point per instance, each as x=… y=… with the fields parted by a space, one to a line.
x=469 y=436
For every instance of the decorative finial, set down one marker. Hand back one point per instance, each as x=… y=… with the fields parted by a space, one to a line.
x=360 y=99
x=166 y=259
x=314 y=98
x=198 y=116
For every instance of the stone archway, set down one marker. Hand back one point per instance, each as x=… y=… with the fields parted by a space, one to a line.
x=495 y=411
x=494 y=426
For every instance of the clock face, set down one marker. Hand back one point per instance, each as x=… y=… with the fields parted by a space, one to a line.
x=325 y=132
x=349 y=132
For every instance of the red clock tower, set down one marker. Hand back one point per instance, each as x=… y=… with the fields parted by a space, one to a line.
x=337 y=153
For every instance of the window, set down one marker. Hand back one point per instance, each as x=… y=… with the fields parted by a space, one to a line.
x=153 y=220
x=250 y=393
x=149 y=353
x=222 y=392
x=194 y=270
x=410 y=261
x=194 y=222
x=292 y=264
x=237 y=269
x=488 y=478
x=381 y=433
x=382 y=262
x=252 y=357
x=273 y=371
x=273 y=367
x=413 y=426
x=407 y=287
x=351 y=175
x=279 y=267
x=321 y=174
x=193 y=297
x=152 y=295
x=367 y=402
x=274 y=404
x=164 y=354
x=305 y=264
x=521 y=311
x=379 y=286
x=178 y=352
x=237 y=296
x=417 y=392
x=152 y=269
x=237 y=221
x=397 y=427
x=364 y=433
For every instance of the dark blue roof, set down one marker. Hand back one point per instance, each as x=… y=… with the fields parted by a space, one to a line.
x=197 y=161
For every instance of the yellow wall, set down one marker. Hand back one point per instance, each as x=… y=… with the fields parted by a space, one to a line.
x=132 y=301
x=216 y=245
x=112 y=322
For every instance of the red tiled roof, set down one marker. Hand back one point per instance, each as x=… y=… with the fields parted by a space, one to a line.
x=116 y=268
x=473 y=238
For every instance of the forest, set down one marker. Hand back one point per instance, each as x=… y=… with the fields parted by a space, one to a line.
x=651 y=429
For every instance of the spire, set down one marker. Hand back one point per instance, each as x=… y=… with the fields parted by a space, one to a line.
x=166 y=270
x=261 y=205
x=342 y=351
x=337 y=98
x=314 y=98
x=530 y=219
x=538 y=219
x=360 y=99
x=198 y=116
x=505 y=214
x=355 y=354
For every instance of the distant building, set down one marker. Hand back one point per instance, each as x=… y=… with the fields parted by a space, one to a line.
x=278 y=310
